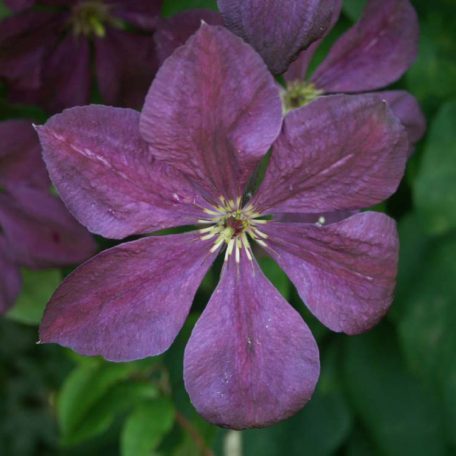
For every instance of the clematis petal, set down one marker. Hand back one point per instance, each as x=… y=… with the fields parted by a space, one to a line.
x=174 y=31
x=374 y=52
x=408 y=111
x=297 y=71
x=139 y=13
x=130 y=301
x=213 y=111
x=10 y=281
x=20 y=156
x=344 y=272
x=39 y=230
x=322 y=218
x=125 y=66
x=340 y=152
x=65 y=77
x=251 y=360
x=21 y=56
x=107 y=177
x=278 y=31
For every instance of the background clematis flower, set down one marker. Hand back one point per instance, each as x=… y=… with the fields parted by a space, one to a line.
x=35 y=228
x=375 y=52
x=46 y=51
x=211 y=114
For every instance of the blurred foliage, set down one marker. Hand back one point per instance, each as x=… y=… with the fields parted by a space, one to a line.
x=389 y=392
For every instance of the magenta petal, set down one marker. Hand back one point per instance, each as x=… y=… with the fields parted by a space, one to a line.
x=20 y=156
x=251 y=360
x=277 y=30
x=130 y=301
x=39 y=230
x=213 y=111
x=297 y=71
x=175 y=31
x=125 y=66
x=408 y=111
x=374 y=52
x=10 y=279
x=340 y=152
x=107 y=177
x=344 y=272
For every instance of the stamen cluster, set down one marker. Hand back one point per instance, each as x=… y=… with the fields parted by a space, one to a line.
x=230 y=224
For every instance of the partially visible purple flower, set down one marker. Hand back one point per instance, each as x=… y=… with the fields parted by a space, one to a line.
x=212 y=113
x=46 y=51
x=375 y=52
x=35 y=228
x=278 y=30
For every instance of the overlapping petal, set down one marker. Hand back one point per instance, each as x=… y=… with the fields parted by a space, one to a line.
x=251 y=360
x=340 y=152
x=125 y=67
x=277 y=30
x=297 y=71
x=344 y=272
x=373 y=53
x=213 y=111
x=39 y=231
x=130 y=301
x=175 y=31
x=10 y=279
x=107 y=177
x=408 y=111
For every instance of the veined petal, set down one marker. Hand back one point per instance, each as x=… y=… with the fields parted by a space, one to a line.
x=213 y=111
x=277 y=30
x=20 y=156
x=108 y=179
x=10 y=279
x=406 y=108
x=340 y=152
x=128 y=302
x=374 y=52
x=344 y=272
x=298 y=69
x=39 y=230
x=125 y=66
x=174 y=31
x=251 y=360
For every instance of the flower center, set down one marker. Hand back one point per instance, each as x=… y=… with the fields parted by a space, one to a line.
x=233 y=225
x=298 y=94
x=89 y=18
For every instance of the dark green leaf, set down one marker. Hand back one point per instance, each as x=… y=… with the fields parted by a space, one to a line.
x=146 y=426
x=435 y=186
x=277 y=277
x=400 y=414
x=172 y=7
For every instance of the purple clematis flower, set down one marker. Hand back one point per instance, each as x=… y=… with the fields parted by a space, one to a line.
x=375 y=52
x=46 y=51
x=35 y=228
x=212 y=113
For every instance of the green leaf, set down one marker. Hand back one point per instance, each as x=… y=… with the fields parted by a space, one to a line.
x=172 y=7
x=146 y=426
x=276 y=275
x=400 y=414
x=37 y=288
x=96 y=391
x=435 y=185
x=4 y=11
